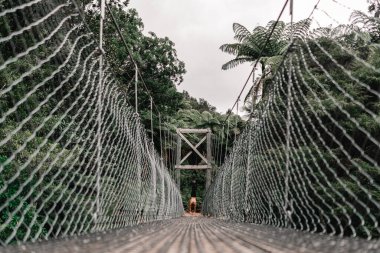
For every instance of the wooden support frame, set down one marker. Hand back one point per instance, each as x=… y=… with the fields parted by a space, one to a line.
x=193 y=131
x=193 y=167
x=181 y=137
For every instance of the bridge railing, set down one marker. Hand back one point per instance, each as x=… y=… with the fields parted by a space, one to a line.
x=309 y=156
x=74 y=157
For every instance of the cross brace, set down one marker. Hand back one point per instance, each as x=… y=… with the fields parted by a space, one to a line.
x=207 y=159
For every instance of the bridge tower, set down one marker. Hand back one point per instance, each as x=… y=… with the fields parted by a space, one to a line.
x=181 y=136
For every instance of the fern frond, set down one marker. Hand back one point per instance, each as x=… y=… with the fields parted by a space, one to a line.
x=231 y=48
x=241 y=32
x=235 y=62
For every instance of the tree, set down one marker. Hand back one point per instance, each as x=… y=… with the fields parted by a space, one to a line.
x=160 y=70
x=367 y=25
x=374 y=7
x=265 y=45
x=198 y=113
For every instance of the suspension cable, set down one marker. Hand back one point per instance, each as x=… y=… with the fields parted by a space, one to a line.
x=258 y=60
x=151 y=117
x=160 y=129
x=138 y=73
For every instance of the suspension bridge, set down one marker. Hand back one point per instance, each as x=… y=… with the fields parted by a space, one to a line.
x=80 y=173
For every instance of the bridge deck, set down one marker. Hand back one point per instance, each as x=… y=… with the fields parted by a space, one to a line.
x=200 y=235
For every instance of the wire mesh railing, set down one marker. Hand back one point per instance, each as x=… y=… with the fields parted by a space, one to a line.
x=309 y=156
x=74 y=157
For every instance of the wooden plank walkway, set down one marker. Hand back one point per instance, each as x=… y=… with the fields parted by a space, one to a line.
x=200 y=235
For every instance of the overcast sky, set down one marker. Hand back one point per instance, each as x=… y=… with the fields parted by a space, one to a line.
x=199 y=27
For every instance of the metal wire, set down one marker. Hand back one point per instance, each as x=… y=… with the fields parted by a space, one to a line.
x=74 y=157
x=309 y=158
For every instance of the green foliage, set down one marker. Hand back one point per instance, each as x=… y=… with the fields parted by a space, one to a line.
x=200 y=114
x=156 y=58
x=47 y=176
x=27 y=212
x=264 y=45
x=333 y=159
x=332 y=106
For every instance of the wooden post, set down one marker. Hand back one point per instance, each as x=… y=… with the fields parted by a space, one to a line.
x=208 y=171
x=178 y=162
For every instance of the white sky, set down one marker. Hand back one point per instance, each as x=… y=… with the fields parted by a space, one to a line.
x=199 y=27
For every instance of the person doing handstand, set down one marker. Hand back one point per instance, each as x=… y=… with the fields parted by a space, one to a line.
x=193 y=199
